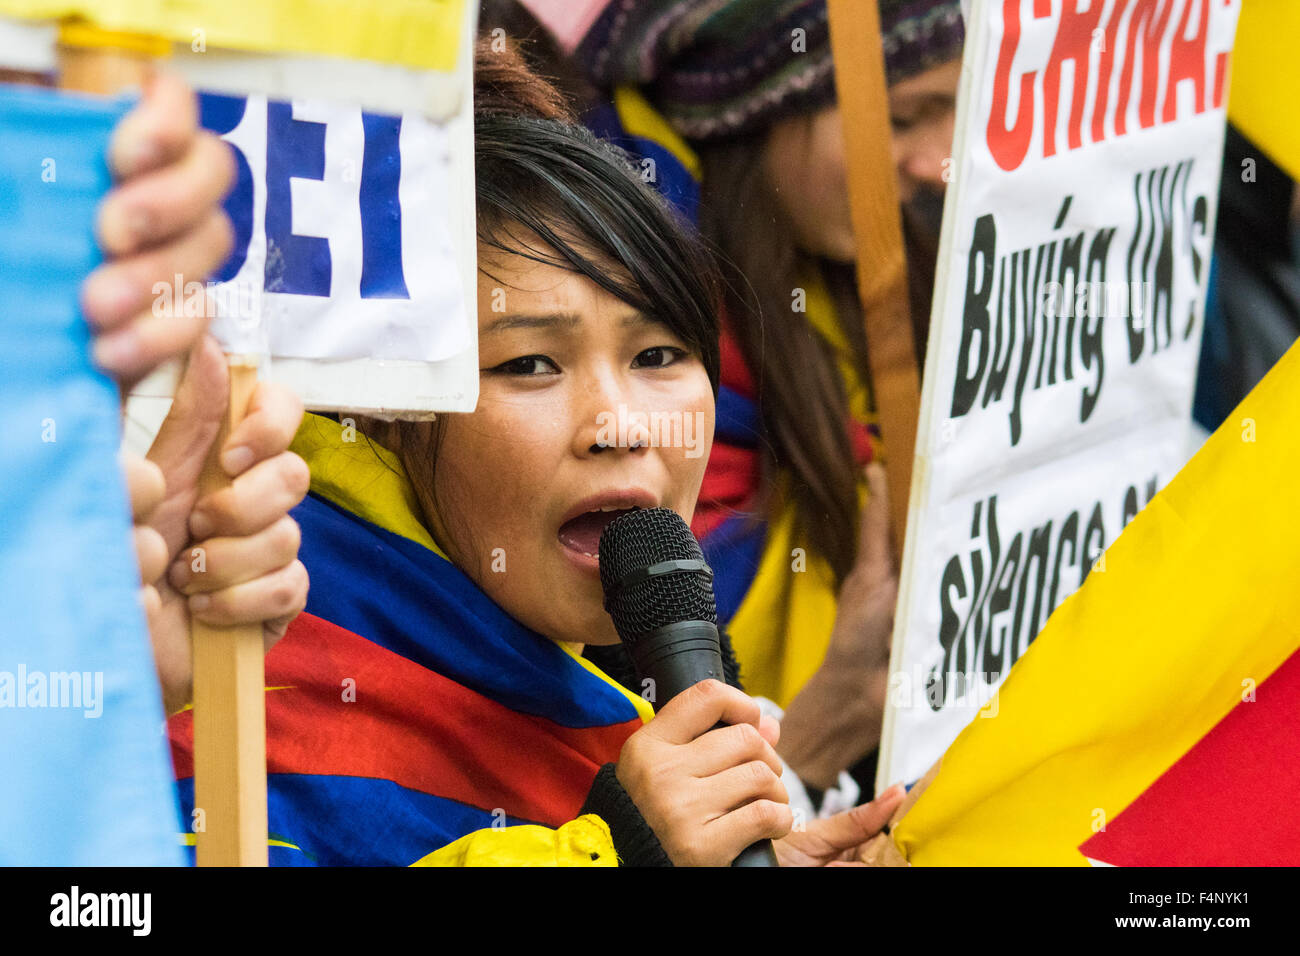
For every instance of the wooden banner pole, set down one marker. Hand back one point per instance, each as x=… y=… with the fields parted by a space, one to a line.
x=230 y=701
x=882 y=268
x=229 y=666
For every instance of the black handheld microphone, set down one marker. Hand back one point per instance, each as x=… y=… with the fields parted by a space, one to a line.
x=659 y=591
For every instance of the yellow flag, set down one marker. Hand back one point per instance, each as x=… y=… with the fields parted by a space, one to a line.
x=1266 y=79
x=1198 y=599
x=419 y=34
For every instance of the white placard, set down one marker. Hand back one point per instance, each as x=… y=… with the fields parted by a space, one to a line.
x=1065 y=334
x=343 y=246
x=356 y=250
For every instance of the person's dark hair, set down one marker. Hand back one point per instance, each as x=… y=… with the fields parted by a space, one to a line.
x=585 y=200
x=504 y=84
x=801 y=393
x=537 y=171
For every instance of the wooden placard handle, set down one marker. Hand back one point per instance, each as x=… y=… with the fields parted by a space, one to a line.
x=882 y=267
x=229 y=701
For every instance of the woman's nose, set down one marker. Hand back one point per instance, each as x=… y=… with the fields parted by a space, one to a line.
x=607 y=417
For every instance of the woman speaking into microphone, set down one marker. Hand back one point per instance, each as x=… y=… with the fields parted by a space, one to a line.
x=434 y=704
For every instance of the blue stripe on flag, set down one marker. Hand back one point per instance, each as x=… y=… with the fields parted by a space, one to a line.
x=399 y=594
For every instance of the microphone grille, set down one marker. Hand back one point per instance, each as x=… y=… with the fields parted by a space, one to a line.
x=639 y=540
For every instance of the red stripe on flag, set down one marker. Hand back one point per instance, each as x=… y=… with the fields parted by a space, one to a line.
x=415 y=727
x=1229 y=801
x=729 y=486
x=733 y=369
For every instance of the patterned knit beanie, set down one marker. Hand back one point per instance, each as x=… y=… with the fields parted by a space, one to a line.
x=720 y=68
x=919 y=34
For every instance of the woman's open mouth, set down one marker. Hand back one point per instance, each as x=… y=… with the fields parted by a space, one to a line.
x=581 y=534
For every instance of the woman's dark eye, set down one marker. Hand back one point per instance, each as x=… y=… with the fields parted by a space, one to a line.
x=527 y=365
x=658 y=356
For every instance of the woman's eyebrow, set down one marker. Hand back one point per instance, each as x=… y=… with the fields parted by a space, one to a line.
x=557 y=320
x=561 y=321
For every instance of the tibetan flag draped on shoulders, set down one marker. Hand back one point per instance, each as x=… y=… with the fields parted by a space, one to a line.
x=406 y=710
x=1156 y=718
x=780 y=623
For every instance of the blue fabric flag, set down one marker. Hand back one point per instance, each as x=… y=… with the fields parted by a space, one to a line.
x=87 y=778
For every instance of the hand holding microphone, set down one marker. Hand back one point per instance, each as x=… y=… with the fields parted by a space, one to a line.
x=703 y=773
x=707 y=793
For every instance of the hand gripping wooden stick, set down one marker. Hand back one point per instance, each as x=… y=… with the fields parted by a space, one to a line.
x=229 y=695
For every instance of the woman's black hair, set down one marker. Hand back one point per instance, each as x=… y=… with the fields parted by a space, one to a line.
x=586 y=202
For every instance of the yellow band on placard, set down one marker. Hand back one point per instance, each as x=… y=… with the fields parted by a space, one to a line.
x=81 y=34
x=417 y=34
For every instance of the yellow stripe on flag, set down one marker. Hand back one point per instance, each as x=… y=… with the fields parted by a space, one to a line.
x=361 y=476
x=1266 y=79
x=419 y=34
x=1197 y=604
x=639 y=118
x=643 y=707
x=782 y=629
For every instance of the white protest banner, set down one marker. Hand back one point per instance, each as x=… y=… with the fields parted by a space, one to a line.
x=353 y=276
x=1065 y=333
x=350 y=230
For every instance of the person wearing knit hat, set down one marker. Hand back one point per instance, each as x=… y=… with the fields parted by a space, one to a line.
x=719 y=68
x=922 y=42
x=918 y=35
x=716 y=69
x=727 y=67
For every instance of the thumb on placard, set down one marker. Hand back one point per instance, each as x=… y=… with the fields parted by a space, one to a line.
x=855 y=826
x=186 y=436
